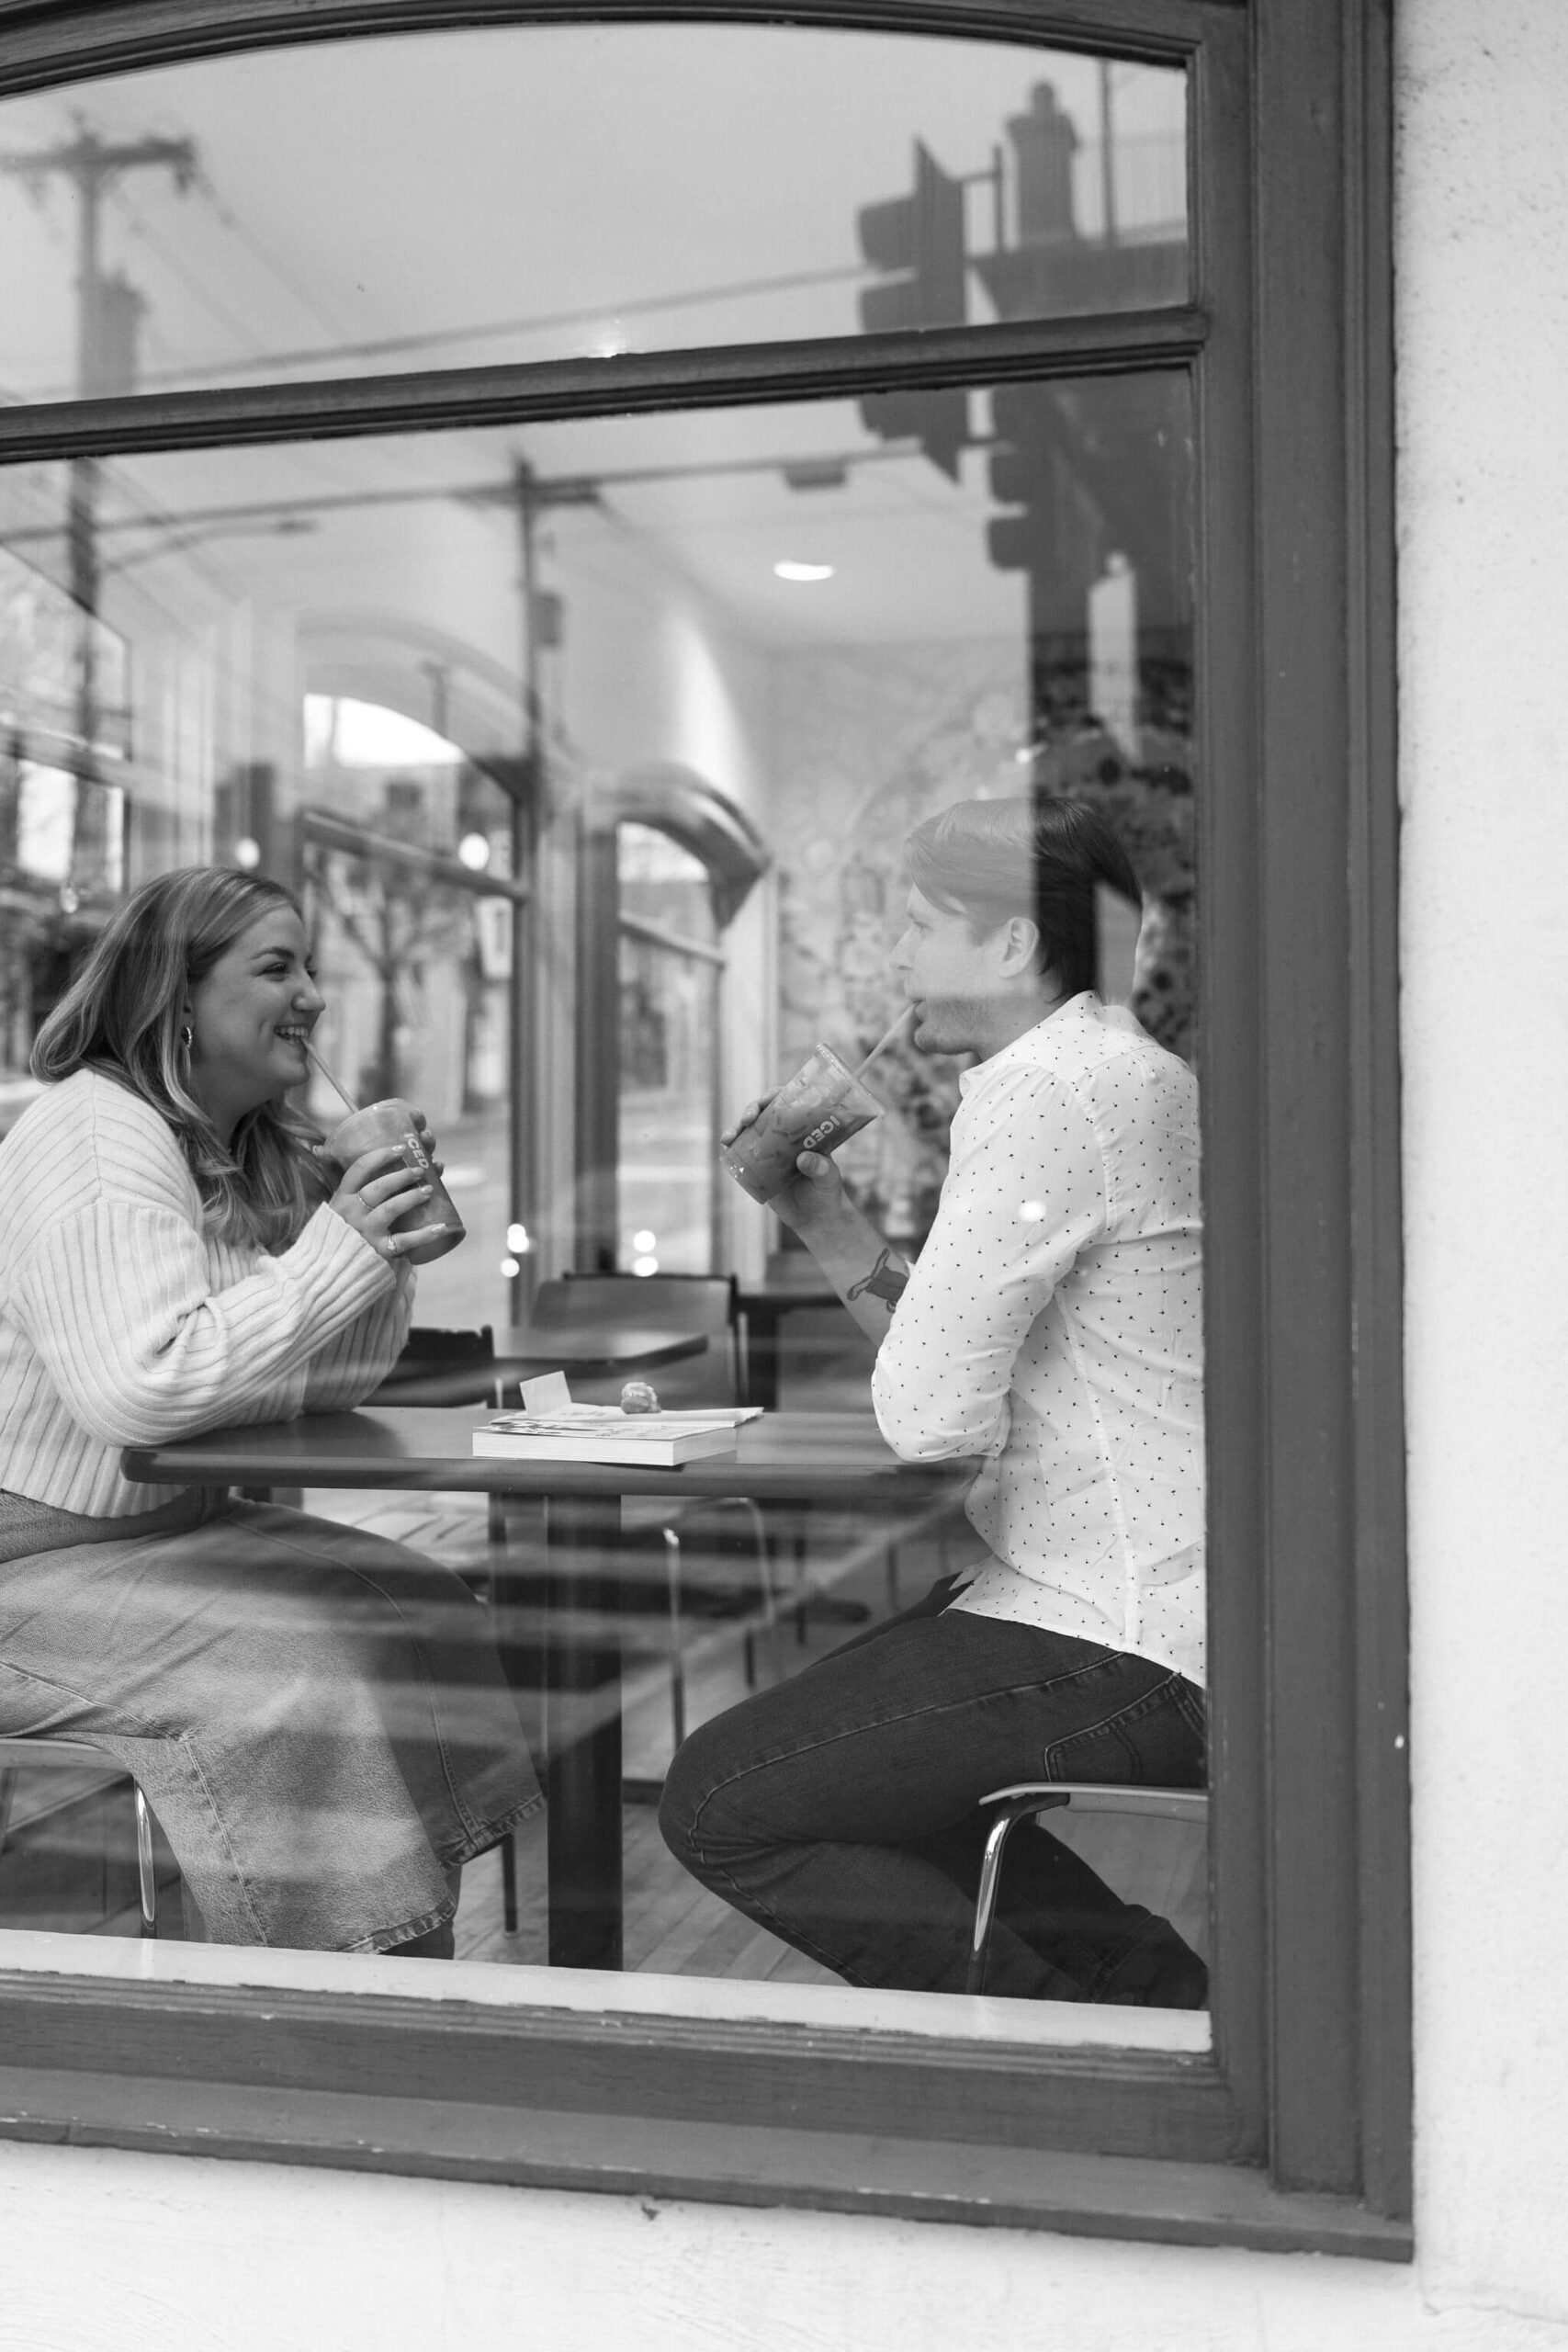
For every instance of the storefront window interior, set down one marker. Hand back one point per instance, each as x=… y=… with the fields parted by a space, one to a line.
x=759 y=646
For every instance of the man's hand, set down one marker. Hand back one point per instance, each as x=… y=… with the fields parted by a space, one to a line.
x=868 y=1275
x=813 y=1195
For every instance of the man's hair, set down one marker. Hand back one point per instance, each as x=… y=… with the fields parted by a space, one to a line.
x=122 y=1015
x=991 y=859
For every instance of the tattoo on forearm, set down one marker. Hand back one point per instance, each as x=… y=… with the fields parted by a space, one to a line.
x=885 y=1282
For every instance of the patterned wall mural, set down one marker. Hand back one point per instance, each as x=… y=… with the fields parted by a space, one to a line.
x=869 y=742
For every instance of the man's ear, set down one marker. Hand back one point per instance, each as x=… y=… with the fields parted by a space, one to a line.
x=1020 y=946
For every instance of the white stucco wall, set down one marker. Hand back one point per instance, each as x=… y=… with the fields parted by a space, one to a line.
x=104 y=2249
x=1483 y=317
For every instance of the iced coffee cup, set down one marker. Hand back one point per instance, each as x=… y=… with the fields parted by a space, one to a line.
x=816 y=1110
x=393 y=1122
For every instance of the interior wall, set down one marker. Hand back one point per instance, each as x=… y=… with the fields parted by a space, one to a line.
x=652 y=672
x=136 y=2250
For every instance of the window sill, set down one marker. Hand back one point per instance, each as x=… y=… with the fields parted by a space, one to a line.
x=637 y=2086
x=1053 y=2025
x=1173 y=2203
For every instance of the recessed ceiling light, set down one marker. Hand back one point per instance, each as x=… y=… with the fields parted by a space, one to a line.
x=804 y=570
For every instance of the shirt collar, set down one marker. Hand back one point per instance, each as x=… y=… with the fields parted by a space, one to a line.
x=1041 y=1042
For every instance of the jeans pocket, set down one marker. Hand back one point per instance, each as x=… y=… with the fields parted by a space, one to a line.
x=1158 y=1741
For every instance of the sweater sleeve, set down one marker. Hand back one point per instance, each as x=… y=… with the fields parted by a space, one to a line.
x=343 y=1373
x=1025 y=1193
x=115 y=1298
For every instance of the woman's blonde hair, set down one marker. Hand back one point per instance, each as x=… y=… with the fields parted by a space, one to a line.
x=123 y=1014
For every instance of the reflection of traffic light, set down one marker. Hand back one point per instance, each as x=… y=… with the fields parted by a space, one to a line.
x=1021 y=476
x=244 y=819
x=917 y=243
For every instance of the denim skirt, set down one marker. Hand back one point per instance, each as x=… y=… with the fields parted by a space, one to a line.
x=318 y=1717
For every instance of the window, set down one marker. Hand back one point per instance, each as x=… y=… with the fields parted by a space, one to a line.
x=1257 y=334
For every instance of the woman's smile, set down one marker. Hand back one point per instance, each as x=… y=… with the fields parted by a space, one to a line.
x=251 y=1019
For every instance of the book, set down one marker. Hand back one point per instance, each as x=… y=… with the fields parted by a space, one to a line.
x=603 y=1433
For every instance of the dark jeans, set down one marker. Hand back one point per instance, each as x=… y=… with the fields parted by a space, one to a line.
x=839 y=1809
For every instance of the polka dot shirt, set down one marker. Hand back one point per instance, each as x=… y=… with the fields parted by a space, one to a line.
x=1053 y=1326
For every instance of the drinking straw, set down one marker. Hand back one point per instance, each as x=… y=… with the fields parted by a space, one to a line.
x=332 y=1081
x=888 y=1040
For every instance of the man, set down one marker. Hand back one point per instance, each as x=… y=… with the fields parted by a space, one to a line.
x=1053 y=1326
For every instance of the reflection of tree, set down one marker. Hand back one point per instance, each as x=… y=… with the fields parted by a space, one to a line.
x=396 y=917
x=894 y=1169
x=645 y=1033
x=1149 y=807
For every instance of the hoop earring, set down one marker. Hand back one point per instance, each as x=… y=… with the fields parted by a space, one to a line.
x=187 y=1037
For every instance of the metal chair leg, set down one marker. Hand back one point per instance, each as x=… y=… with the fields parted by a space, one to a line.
x=677 y=1641
x=997 y=1838
x=769 y=1590
x=508 y=1883
x=146 y=1882
x=770 y=1609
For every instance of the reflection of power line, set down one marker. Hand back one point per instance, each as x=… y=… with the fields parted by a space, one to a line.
x=827 y=472
x=544 y=323
x=299 y=287
x=178 y=270
x=179 y=542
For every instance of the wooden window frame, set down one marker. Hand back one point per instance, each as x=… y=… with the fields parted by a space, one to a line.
x=1295 y=2130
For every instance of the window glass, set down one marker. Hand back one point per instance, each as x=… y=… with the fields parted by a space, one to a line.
x=757 y=647
x=669 y=968
x=457 y=198
x=395 y=834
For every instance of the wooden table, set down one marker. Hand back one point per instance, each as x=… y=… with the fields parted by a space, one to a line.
x=829 y=1459
x=589 y=1351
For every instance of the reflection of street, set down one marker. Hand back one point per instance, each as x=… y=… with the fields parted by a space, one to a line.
x=667 y=1178
x=666 y=1189
x=466 y=1287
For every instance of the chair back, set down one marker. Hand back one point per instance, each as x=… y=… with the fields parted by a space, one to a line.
x=428 y=1344
x=697 y=1302
x=440 y=1367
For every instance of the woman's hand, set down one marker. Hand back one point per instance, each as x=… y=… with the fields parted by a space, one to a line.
x=374 y=1191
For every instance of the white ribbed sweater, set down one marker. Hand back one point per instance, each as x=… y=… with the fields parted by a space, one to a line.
x=122 y=1323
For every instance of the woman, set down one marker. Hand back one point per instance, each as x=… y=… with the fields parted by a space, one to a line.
x=318 y=1717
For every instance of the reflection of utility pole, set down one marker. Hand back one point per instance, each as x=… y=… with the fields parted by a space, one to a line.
x=108 y=315
x=523 y=1040
x=440 y=676
x=1107 y=154
x=596 y=1080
